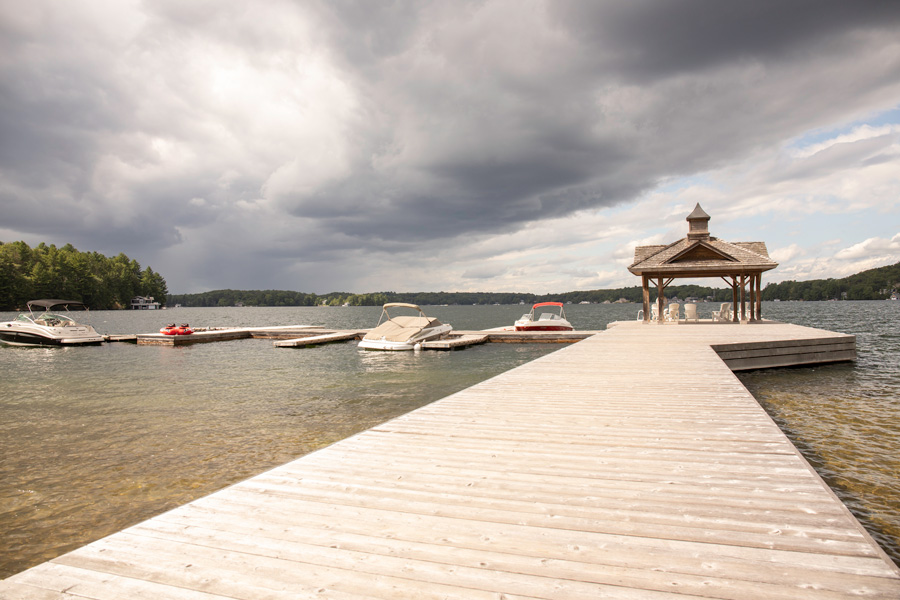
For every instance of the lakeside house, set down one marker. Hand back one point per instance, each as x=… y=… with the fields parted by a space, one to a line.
x=144 y=303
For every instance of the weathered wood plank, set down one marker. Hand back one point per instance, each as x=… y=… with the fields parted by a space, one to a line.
x=456 y=341
x=315 y=340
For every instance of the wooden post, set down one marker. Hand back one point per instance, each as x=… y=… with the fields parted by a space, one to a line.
x=755 y=308
x=734 y=299
x=751 y=295
x=645 y=281
x=759 y=296
x=743 y=296
x=659 y=300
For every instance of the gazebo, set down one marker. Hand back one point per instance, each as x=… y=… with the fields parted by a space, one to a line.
x=740 y=264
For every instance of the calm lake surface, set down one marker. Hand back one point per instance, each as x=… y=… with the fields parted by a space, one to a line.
x=95 y=439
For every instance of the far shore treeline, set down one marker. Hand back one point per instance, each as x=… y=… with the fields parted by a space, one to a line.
x=65 y=273
x=875 y=284
x=286 y=298
x=110 y=283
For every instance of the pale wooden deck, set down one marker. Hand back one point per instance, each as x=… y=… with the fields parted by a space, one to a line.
x=630 y=465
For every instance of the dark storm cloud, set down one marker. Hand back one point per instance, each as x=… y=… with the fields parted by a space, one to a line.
x=494 y=139
x=646 y=39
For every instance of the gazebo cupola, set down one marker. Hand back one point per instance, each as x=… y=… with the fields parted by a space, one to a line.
x=699 y=225
x=740 y=264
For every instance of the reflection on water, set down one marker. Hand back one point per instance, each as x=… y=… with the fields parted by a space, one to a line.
x=95 y=439
x=845 y=418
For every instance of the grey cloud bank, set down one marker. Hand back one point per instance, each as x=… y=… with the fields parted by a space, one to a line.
x=319 y=146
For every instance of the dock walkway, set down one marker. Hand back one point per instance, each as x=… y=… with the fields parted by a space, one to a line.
x=632 y=465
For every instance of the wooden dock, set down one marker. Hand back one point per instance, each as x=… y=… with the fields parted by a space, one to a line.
x=630 y=465
x=453 y=342
x=303 y=336
x=509 y=335
x=319 y=339
x=223 y=334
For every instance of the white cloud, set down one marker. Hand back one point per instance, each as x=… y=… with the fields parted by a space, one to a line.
x=786 y=254
x=871 y=248
x=863 y=132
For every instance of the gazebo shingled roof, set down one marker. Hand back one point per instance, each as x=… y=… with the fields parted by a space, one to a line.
x=701 y=255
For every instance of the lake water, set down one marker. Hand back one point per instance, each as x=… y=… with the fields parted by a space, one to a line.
x=95 y=439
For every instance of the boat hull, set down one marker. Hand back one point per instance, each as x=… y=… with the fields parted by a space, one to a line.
x=383 y=344
x=386 y=345
x=537 y=327
x=547 y=321
x=32 y=336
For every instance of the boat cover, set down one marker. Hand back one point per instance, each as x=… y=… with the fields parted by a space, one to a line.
x=48 y=304
x=401 y=329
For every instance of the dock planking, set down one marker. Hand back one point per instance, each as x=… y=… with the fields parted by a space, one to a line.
x=301 y=336
x=223 y=334
x=457 y=341
x=632 y=464
x=323 y=338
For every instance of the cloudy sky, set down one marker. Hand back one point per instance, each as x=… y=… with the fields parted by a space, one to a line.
x=509 y=145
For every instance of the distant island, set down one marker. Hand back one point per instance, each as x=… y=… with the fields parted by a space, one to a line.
x=874 y=284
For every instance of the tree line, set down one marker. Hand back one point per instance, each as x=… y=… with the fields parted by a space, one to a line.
x=100 y=282
x=288 y=298
x=874 y=284
x=110 y=283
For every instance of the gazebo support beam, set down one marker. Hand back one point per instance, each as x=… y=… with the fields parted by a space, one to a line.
x=759 y=296
x=659 y=301
x=753 y=297
x=645 y=283
x=743 y=297
x=734 y=300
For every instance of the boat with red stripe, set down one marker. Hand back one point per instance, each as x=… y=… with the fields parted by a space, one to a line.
x=547 y=321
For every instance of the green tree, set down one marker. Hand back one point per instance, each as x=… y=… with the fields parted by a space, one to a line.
x=51 y=272
x=15 y=261
x=153 y=285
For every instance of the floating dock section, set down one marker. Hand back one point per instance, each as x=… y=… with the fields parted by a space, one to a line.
x=319 y=339
x=631 y=465
x=223 y=334
x=456 y=341
x=302 y=336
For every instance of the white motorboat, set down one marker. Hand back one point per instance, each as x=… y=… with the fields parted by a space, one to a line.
x=48 y=328
x=547 y=321
x=402 y=332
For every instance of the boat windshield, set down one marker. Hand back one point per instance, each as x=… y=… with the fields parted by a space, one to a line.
x=54 y=320
x=385 y=316
x=546 y=316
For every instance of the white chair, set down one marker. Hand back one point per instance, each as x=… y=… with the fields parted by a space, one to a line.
x=654 y=313
x=724 y=312
x=640 y=315
x=690 y=312
x=673 y=313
